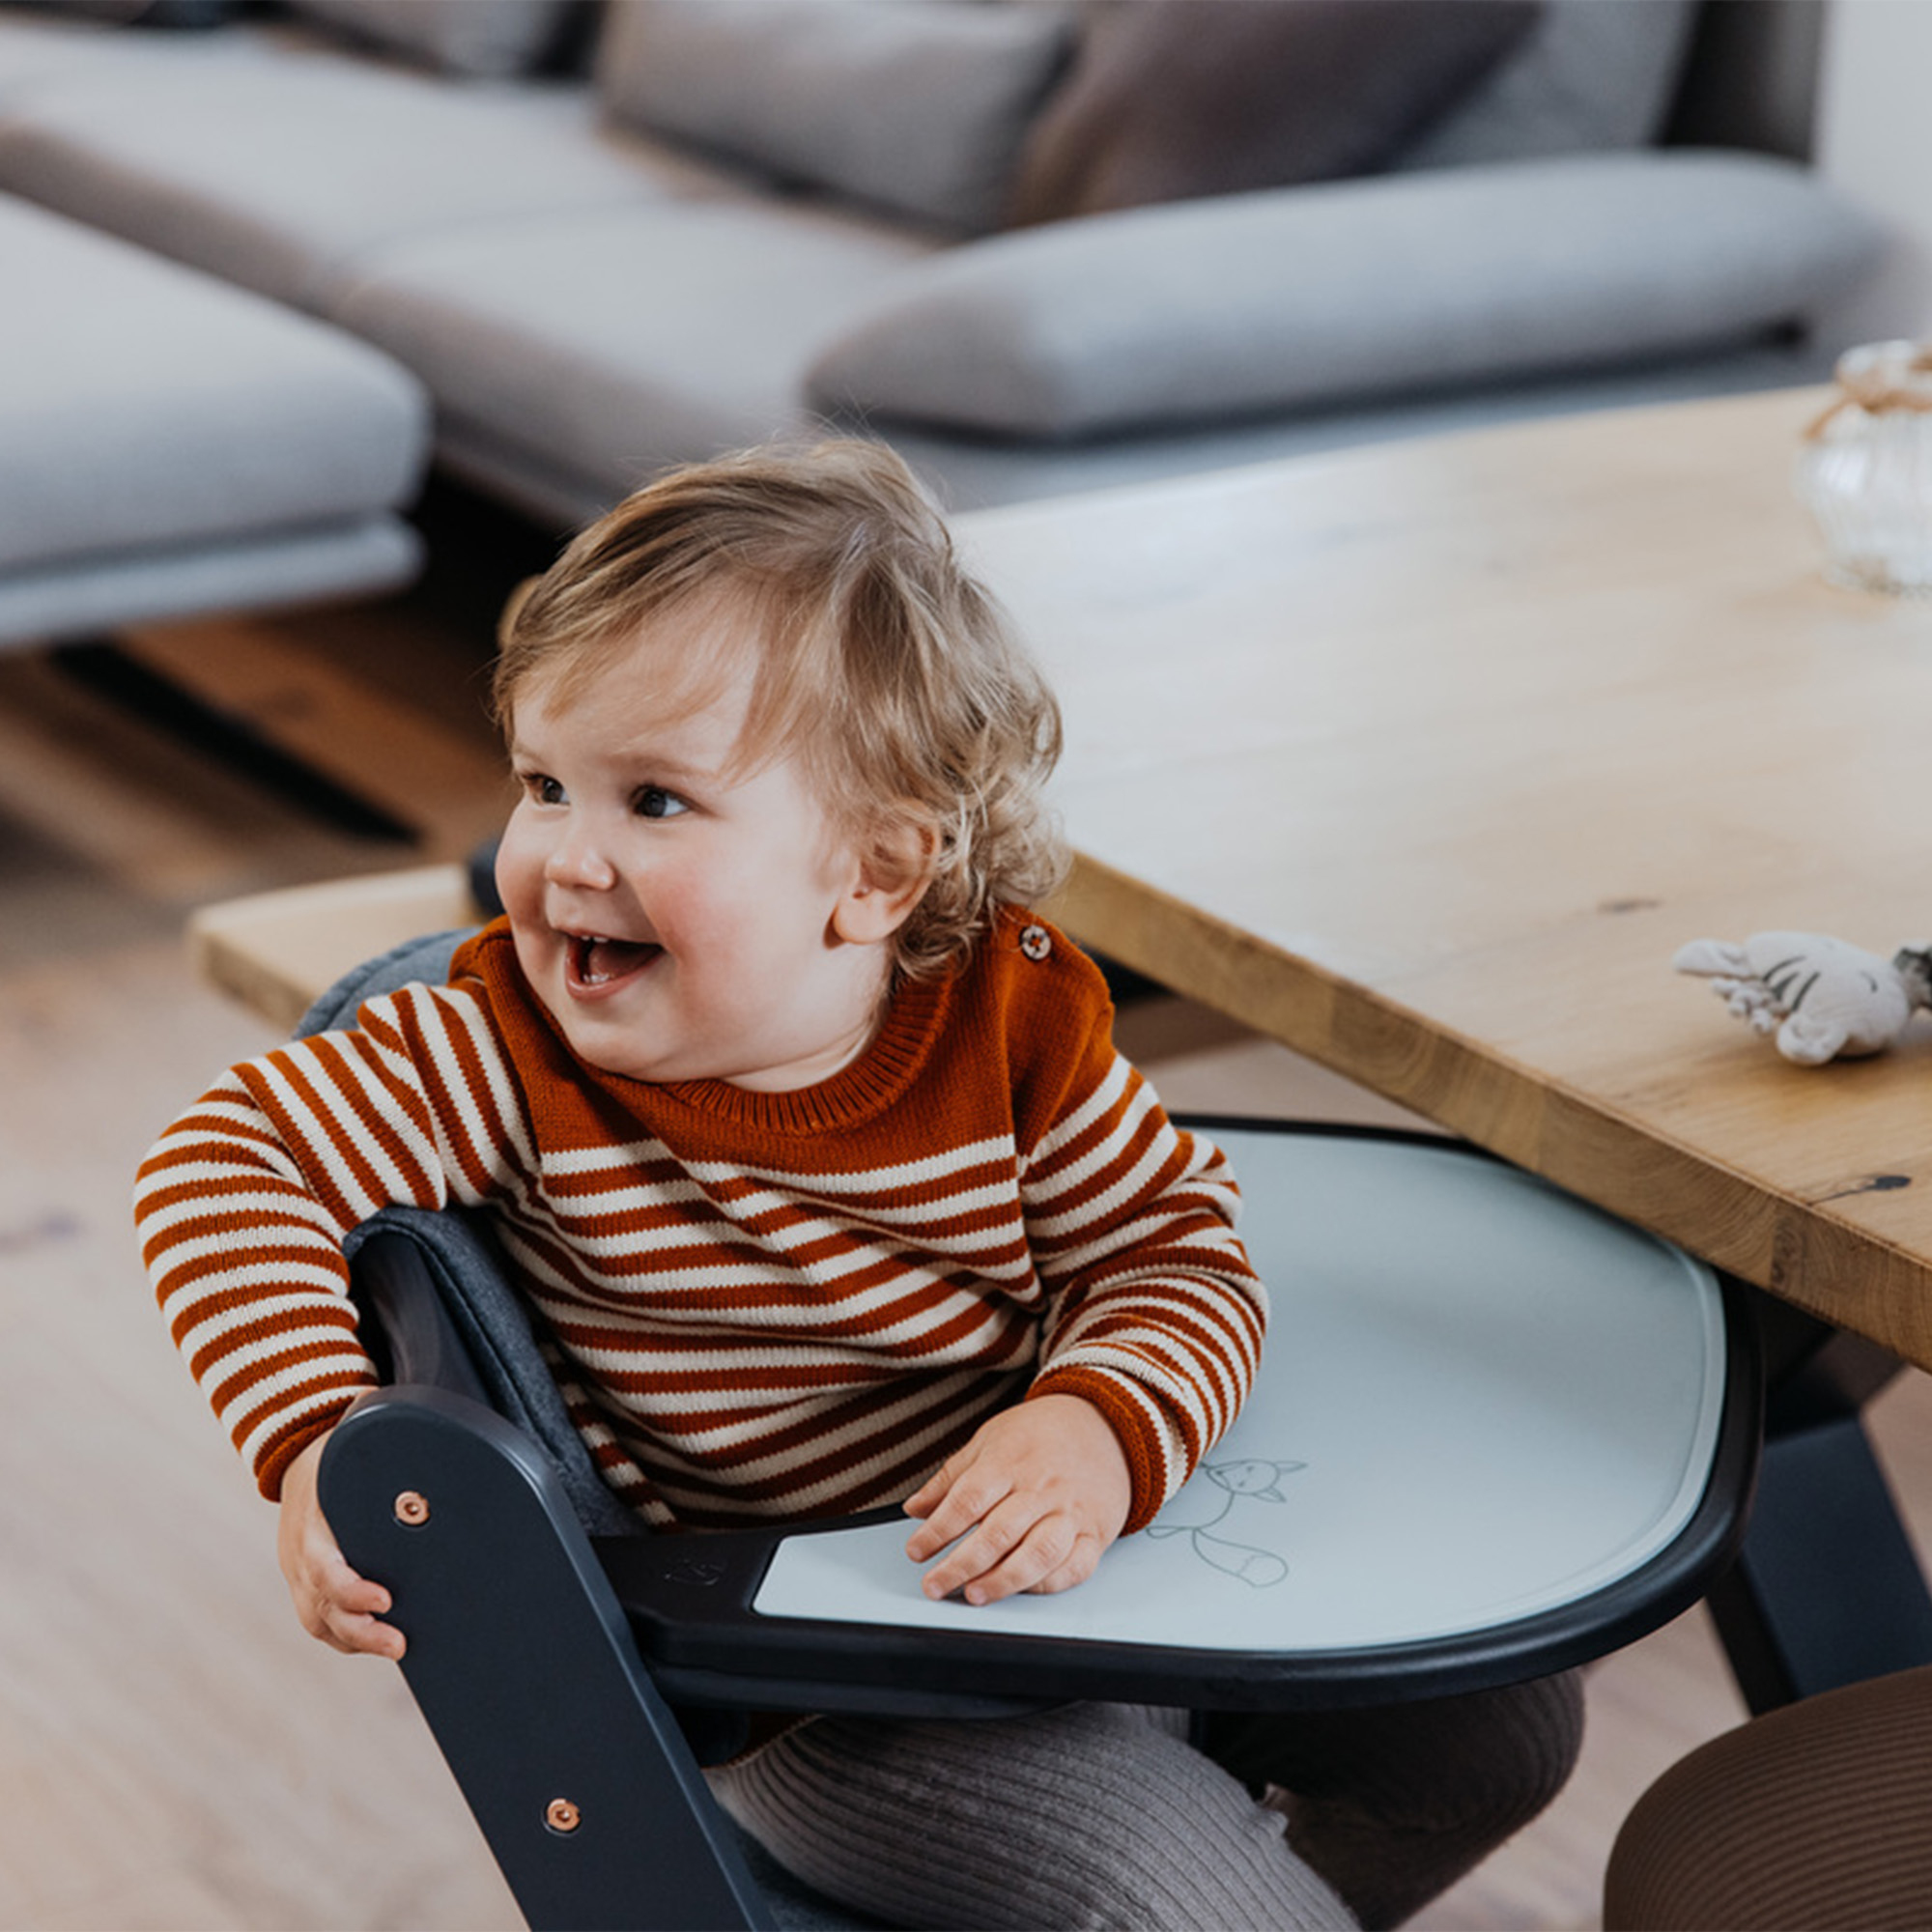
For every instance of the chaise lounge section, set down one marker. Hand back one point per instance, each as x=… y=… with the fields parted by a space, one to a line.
x=225 y=453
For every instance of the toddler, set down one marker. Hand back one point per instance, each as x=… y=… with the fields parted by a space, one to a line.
x=826 y=1187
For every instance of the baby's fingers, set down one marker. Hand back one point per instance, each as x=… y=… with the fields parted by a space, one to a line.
x=967 y=1563
x=344 y=1609
x=952 y=1503
x=1004 y=1558
x=929 y=1494
x=361 y=1635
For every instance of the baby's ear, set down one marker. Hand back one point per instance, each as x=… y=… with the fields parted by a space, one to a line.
x=892 y=879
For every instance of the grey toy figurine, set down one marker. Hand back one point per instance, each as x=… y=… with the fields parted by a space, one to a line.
x=1823 y=998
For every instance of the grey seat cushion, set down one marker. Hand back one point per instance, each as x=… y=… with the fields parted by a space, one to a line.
x=425 y=959
x=143 y=406
x=282 y=174
x=462 y=1258
x=612 y=344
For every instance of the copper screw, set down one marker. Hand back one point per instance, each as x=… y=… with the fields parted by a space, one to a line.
x=413 y=1508
x=561 y=1815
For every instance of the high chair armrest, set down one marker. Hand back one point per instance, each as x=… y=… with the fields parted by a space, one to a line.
x=523 y=1666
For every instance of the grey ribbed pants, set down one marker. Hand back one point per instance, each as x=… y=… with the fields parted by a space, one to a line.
x=1105 y=1816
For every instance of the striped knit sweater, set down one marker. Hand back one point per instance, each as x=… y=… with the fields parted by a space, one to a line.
x=757 y=1304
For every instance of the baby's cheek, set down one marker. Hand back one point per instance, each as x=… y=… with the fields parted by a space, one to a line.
x=694 y=909
x=521 y=891
x=519 y=868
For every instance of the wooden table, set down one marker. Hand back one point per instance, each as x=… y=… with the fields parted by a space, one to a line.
x=1424 y=759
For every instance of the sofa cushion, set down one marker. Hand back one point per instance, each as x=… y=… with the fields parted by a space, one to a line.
x=1590 y=74
x=607 y=345
x=920 y=109
x=1172 y=99
x=277 y=173
x=1344 y=290
x=143 y=405
x=472 y=36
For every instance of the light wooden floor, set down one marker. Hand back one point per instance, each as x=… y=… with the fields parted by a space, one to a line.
x=174 y=1752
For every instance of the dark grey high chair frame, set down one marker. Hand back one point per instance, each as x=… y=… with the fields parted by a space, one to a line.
x=576 y=1682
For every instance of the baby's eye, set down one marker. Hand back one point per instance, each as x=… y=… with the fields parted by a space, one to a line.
x=540 y=788
x=654 y=801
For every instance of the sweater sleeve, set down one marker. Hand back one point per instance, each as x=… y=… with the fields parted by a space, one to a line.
x=242 y=1204
x=1156 y=1315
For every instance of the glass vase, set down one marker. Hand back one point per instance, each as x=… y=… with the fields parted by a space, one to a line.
x=1865 y=471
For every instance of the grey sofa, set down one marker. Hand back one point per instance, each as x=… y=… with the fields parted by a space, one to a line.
x=709 y=221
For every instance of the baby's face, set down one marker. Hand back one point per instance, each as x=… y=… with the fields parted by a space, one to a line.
x=680 y=920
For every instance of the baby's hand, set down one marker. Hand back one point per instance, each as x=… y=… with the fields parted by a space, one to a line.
x=334 y=1603
x=1044 y=1488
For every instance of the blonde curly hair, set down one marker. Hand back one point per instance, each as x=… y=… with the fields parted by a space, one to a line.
x=885 y=668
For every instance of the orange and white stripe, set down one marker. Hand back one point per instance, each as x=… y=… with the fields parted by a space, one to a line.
x=761 y=1326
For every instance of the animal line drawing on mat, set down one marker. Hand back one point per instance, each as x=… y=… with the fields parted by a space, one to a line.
x=1246 y=1476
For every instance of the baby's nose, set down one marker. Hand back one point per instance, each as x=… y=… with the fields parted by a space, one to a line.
x=576 y=860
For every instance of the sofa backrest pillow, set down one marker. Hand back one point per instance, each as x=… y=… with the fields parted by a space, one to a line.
x=487 y=39
x=919 y=109
x=1169 y=99
x=1258 y=305
x=1590 y=74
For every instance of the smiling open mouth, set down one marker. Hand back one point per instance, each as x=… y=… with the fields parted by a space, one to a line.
x=597 y=962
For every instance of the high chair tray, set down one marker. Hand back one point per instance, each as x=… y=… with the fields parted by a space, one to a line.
x=1494 y=1432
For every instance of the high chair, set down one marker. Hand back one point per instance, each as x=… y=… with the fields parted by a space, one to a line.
x=1495 y=1433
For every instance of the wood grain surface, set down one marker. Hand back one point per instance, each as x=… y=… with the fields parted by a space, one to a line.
x=1423 y=759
